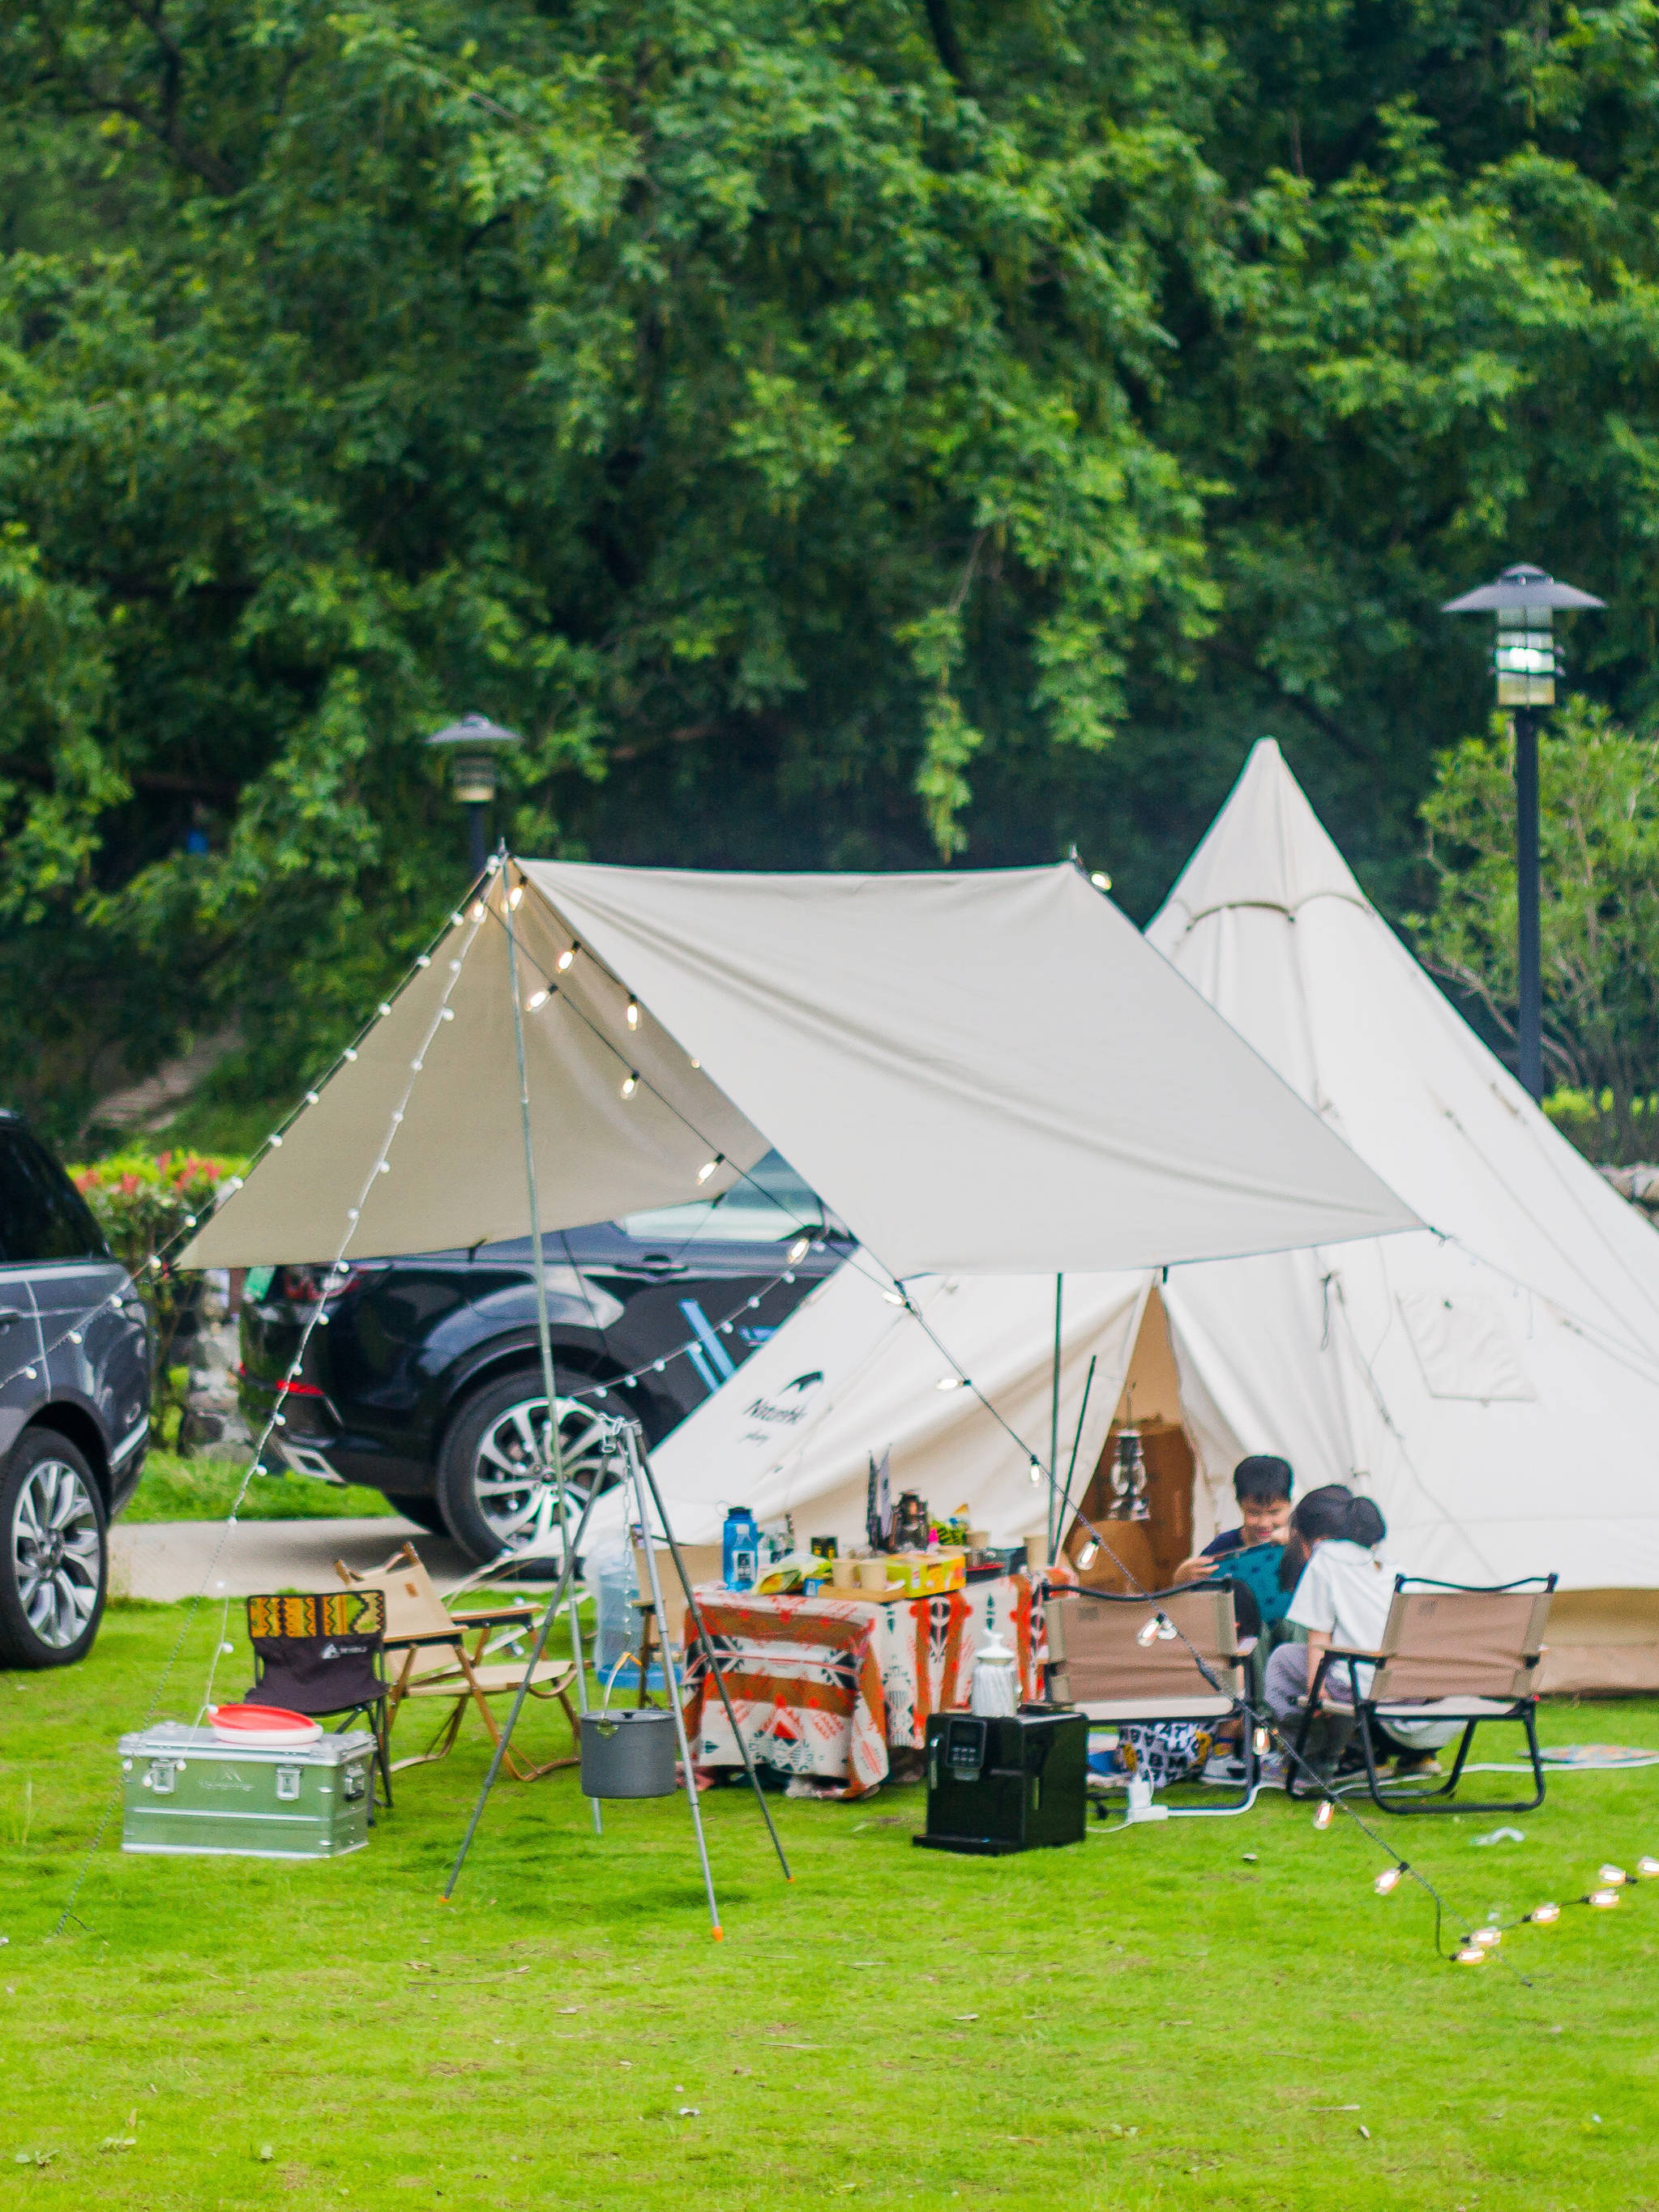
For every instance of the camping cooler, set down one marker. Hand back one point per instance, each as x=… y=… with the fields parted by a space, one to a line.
x=185 y=1791
x=1008 y=1783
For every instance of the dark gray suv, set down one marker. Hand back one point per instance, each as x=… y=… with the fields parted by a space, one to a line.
x=75 y=1384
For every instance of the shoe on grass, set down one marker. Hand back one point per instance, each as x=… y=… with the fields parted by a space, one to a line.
x=1416 y=1762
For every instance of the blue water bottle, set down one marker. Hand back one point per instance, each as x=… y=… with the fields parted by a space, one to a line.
x=740 y=1548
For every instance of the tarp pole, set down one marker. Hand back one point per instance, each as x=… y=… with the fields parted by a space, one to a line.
x=1070 y=1467
x=543 y=1333
x=1054 y=1417
x=710 y=1661
x=636 y=1478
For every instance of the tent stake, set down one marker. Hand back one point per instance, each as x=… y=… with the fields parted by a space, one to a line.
x=711 y=1662
x=543 y=1333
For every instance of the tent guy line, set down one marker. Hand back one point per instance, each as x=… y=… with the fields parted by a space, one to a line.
x=275 y=1416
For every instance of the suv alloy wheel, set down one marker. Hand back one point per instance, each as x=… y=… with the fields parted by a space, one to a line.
x=54 y=1550
x=494 y=1489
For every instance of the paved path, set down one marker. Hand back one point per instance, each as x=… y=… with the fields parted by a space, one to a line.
x=171 y=1559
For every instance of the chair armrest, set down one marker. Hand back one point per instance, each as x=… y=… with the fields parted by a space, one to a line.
x=416 y=1642
x=493 y=1616
x=1370 y=1658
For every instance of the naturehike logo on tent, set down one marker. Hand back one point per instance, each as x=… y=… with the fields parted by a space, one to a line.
x=769 y=1409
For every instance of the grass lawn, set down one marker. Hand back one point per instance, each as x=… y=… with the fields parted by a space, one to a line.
x=174 y=1489
x=1176 y=2017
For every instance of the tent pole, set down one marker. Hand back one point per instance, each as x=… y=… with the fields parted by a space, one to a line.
x=1070 y=1468
x=506 y=1736
x=636 y=1478
x=543 y=1333
x=1054 y=1417
x=711 y=1662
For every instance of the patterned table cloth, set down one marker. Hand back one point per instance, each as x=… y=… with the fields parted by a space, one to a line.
x=823 y=1687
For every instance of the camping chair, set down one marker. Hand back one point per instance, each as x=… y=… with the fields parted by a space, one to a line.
x=435 y=1662
x=319 y=1655
x=1447 y=1652
x=1094 y=1636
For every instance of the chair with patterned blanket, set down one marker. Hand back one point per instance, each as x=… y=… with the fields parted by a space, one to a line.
x=319 y=1654
x=430 y=1660
x=1169 y=1659
x=1450 y=1655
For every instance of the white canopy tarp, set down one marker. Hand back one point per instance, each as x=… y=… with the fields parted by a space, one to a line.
x=980 y=1073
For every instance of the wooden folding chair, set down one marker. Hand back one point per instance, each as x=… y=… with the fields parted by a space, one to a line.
x=1448 y=1651
x=1099 y=1663
x=435 y=1662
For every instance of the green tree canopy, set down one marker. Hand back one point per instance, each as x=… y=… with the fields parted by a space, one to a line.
x=872 y=432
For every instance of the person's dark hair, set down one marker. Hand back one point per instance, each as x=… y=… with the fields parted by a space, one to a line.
x=1365 y=1524
x=1262 y=1475
x=1323 y=1513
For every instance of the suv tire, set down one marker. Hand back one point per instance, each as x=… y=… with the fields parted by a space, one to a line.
x=54 y=1553
x=494 y=1432
x=425 y=1512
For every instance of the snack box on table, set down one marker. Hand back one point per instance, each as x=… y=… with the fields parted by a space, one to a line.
x=185 y=1790
x=923 y=1574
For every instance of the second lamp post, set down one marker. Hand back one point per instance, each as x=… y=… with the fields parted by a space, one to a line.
x=1524 y=600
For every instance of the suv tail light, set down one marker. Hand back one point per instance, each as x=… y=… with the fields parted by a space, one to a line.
x=307 y=1285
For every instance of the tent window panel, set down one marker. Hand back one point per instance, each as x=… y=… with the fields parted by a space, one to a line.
x=1465 y=1346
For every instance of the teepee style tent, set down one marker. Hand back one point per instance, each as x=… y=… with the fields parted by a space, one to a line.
x=1492 y=1380
x=988 y=1073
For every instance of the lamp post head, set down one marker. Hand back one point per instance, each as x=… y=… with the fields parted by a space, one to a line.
x=472 y=769
x=1524 y=599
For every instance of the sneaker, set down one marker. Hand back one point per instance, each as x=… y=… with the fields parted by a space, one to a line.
x=1416 y=1762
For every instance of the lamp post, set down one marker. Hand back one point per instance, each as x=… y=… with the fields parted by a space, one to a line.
x=1524 y=600
x=472 y=777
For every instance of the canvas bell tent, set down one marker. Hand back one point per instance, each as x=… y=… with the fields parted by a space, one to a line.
x=1492 y=1380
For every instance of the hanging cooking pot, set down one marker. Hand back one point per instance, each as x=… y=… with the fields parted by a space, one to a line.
x=629 y=1752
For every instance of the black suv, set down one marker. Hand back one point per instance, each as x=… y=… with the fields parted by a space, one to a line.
x=75 y=1381
x=423 y=1377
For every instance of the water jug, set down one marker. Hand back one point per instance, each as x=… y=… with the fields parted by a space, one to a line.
x=740 y=1549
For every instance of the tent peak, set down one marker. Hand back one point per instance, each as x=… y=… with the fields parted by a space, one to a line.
x=1266 y=847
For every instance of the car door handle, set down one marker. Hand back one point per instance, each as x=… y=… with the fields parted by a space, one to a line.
x=653 y=1264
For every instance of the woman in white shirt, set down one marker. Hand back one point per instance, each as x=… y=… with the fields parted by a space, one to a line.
x=1342 y=1599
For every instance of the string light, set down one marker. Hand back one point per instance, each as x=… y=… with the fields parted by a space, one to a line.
x=537 y=999
x=1603 y=1900
x=633 y=1013
x=1101 y=880
x=1612 y=1875
x=311 y=1098
x=630 y=1083
x=565 y=958
x=423 y=960
x=514 y=896
x=384 y=1006
x=478 y=910
x=350 y=1053
x=708 y=1167
x=948 y=1382
x=274 y=1140
x=1541 y=1915
x=1389 y=1880
x=1471 y=1955
x=1487 y=1938
x=898 y=1298
x=1146 y=1634
x=1262 y=1741
x=800 y=1248
x=1087 y=1556
x=1326 y=1815
x=1647 y=1868
x=1037 y=1464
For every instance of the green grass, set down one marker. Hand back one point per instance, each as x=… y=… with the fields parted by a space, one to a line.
x=174 y=1489
x=1150 y=2019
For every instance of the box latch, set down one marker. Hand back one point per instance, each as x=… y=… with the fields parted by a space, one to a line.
x=288 y=1784
x=161 y=1776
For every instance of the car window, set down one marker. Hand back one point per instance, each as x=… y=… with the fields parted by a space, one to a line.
x=42 y=1215
x=768 y=1207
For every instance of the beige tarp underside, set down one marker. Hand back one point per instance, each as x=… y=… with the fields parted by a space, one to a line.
x=988 y=1073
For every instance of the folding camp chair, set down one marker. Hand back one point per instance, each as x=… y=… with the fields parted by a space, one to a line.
x=319 y=1655
x=1109 y=1673
x=435 y=1662
x=1449 y=1652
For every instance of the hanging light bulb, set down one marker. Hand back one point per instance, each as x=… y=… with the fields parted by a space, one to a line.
x=630 y=1083
x=1325 y=1816
x=1101 y=880
x=423 y=960
x=708 y=1167
x=311 y=1098
x=1262 y=1741
x=1487 y=1938
x=947 y=1383
x=1647 y=1868
x=1146 y=1634
x=800 y=1250
x=385 y=1007
x=514 y=896
x=1389 y=1879
x=350 y=1052
x=566 y=957
x=1541 y=1915
x=1087 y=1556
x=1611 y=1876
x=1037 y=1464
x=478 y=910
x=896 y=1298
x=537 y=999
x=1603 y=1900
x=697 y=1063
x=1471 y=1955
x=633 y=1013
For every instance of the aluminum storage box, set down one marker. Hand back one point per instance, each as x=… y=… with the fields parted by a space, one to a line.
x=185 y=1792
